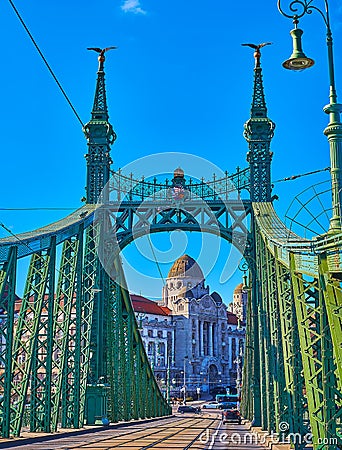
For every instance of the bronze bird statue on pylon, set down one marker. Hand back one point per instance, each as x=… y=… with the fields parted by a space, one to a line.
x=257 y=46
x=257 y=53
x=102 y=51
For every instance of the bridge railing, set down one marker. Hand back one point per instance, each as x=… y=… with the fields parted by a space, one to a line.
x=123 y=187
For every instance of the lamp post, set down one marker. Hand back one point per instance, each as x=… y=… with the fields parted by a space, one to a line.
x=209 y=380
x=238 y=362
x=168 y=385
x=184 y=380
x=298 y=61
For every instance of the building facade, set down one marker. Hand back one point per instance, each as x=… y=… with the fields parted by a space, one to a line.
x=194 y=340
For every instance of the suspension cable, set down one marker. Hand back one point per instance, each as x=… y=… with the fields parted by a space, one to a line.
x=15 y=236
x=155 y=259
x=46 y=63
x=47 y=208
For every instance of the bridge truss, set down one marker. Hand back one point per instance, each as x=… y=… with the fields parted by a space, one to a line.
x=49 y=337
x=294 y=334
x=71 y=351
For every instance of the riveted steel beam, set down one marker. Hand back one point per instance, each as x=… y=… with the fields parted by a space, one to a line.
x=26 y=335
x=7 y=306
x=323 y=397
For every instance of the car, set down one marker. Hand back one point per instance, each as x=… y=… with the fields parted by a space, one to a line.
x=211 y=405
x=231 y=415
x=188 y=409
x=227 y=405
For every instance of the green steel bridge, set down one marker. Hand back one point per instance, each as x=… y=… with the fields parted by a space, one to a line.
x=71 y=351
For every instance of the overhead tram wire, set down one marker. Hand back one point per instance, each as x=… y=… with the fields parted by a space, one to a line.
x=16 y=237
x=2 y=225
x=59 y=208
x=77 y=115
x=294 y=177
x=38 y=209
x=46 y=63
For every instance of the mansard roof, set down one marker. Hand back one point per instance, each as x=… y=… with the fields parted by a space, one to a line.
x=144 y=305
x=232 y=318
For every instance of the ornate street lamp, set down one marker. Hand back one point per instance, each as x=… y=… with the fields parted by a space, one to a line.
x=298 y=61
x=243 y=267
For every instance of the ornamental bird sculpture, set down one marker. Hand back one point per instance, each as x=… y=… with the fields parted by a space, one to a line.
x=257 y=46
x=257 y=54
x=101 y=57
x=102 y=51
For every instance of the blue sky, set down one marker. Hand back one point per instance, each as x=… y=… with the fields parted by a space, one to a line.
x=180 y=81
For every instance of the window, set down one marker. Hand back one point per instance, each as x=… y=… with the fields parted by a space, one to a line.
x=150 y=333
x=160 y=333
x=233 y=349
x=161 y=349
x=150 y=348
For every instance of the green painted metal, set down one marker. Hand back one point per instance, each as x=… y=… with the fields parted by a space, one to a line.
x=41 y=385
x=258 y=132
x=114 y=345
x=25 y=339
x=64 y=331
x=49 y=361
x=128 y=189
x=301 y=289
x=264 y=344
x=276 y=344
x=247 y=397
x=7 y=292
x=334 y=129
x=100 y=135
x=294 y=401
x=331 y=287
x=324 y=399
x=89 y=296
x=76 y=342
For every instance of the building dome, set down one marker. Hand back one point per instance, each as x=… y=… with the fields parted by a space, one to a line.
x=178 y=173
x=217 y=297
x=238 y=289
x=185 y=266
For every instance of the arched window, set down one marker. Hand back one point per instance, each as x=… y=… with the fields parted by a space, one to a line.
x=233 y=349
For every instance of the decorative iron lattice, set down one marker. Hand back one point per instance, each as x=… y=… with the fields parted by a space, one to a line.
x=126 y=188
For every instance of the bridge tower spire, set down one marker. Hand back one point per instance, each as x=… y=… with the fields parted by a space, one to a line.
x=100 y=136
x=258 y=132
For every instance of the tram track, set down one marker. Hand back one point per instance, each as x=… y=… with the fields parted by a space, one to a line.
x=178 y=435
x=192 y=425
x=171 y=433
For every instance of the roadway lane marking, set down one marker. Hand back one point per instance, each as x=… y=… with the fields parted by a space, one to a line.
x=214 y=436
